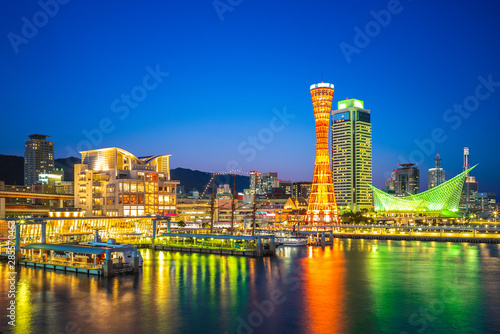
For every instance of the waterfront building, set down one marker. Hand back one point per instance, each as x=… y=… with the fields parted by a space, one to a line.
x=351 y=147
x=38 y=158
x=269 y=181
x=322 y=207
x=443 y=199
x=302 y=189
x=407 y=180
x=114 y=182
x=296 y=204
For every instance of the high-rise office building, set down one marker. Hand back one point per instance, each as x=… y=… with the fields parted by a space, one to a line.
x=322 y=207
x=302 y=189
x=436 y=174
x=407 y=180
x=268 y=181
x=470 y=188
x=256 y=182
x=38 y=158
x=285 y=187
x=351 y=137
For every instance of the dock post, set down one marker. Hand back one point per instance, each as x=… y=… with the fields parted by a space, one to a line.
x=272 y=245
x=107 y=265
x=323 y=241
x=260 y=248
x=135 y=262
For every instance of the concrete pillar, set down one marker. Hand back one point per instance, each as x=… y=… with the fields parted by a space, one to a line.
x=474 y=233
x=272 y=244
x=107 y=267
x=441 y=232
x=154 y=235
x=168 y=225
x=260 y=248
x=61 y=203
x=2 y=207
x=134 y=261
x=44 y=233
x=323 y=241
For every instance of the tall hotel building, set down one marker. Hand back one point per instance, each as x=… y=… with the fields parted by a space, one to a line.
x=113 y=182
x=38 y=158
x=351 y=145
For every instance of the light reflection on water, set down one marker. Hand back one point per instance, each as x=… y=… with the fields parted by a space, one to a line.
x=354 y=286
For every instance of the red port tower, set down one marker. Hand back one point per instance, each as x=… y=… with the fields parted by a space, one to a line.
x=322 y=207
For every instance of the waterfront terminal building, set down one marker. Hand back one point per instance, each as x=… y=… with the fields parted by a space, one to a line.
x=113 y=182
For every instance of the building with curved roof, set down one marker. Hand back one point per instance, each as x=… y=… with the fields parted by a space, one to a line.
x=442 y=198
x=114 y=182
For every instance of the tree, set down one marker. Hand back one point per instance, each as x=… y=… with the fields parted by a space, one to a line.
x=205 y=225
x=353 y=218
x=181 y=224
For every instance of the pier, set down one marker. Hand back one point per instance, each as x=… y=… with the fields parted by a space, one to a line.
x=320 y=235
x=102 y=261
x=253 y=246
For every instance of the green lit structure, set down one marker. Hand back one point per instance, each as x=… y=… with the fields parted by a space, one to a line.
x=443 y=198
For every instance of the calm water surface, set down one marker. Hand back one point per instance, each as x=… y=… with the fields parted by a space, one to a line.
x=354 y=286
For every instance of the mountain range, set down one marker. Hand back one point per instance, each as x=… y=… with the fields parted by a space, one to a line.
x=12 y=172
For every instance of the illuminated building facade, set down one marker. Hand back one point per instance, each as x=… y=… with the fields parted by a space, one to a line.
x=436 y=174
x=113 y=182
x=322 y=207
x=302 y=189
x=442 y=198
x=38 y=158
x=352 y=155
x=269 y=181
x=256 y=177
x=407 y=180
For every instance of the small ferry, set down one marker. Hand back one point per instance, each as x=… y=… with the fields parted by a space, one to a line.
x=289 y=240
x=126 y=256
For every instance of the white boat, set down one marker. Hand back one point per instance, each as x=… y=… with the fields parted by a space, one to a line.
x=126 y=255
x=292 y=241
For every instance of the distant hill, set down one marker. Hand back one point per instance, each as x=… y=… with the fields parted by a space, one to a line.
x=12 y=169
x=12 y=172
x=197 y=180
x=67 y=164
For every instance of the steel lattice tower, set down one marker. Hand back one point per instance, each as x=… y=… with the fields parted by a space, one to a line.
x=322 y=207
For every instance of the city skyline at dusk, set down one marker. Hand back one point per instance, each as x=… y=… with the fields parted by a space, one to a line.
x=232 y=91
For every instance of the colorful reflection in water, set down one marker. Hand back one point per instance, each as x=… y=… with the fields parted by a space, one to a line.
x=354 y=286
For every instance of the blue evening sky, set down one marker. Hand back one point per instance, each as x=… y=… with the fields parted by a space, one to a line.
x=222 y=75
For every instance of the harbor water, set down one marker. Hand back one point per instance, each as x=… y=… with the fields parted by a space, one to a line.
x=353 y=286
